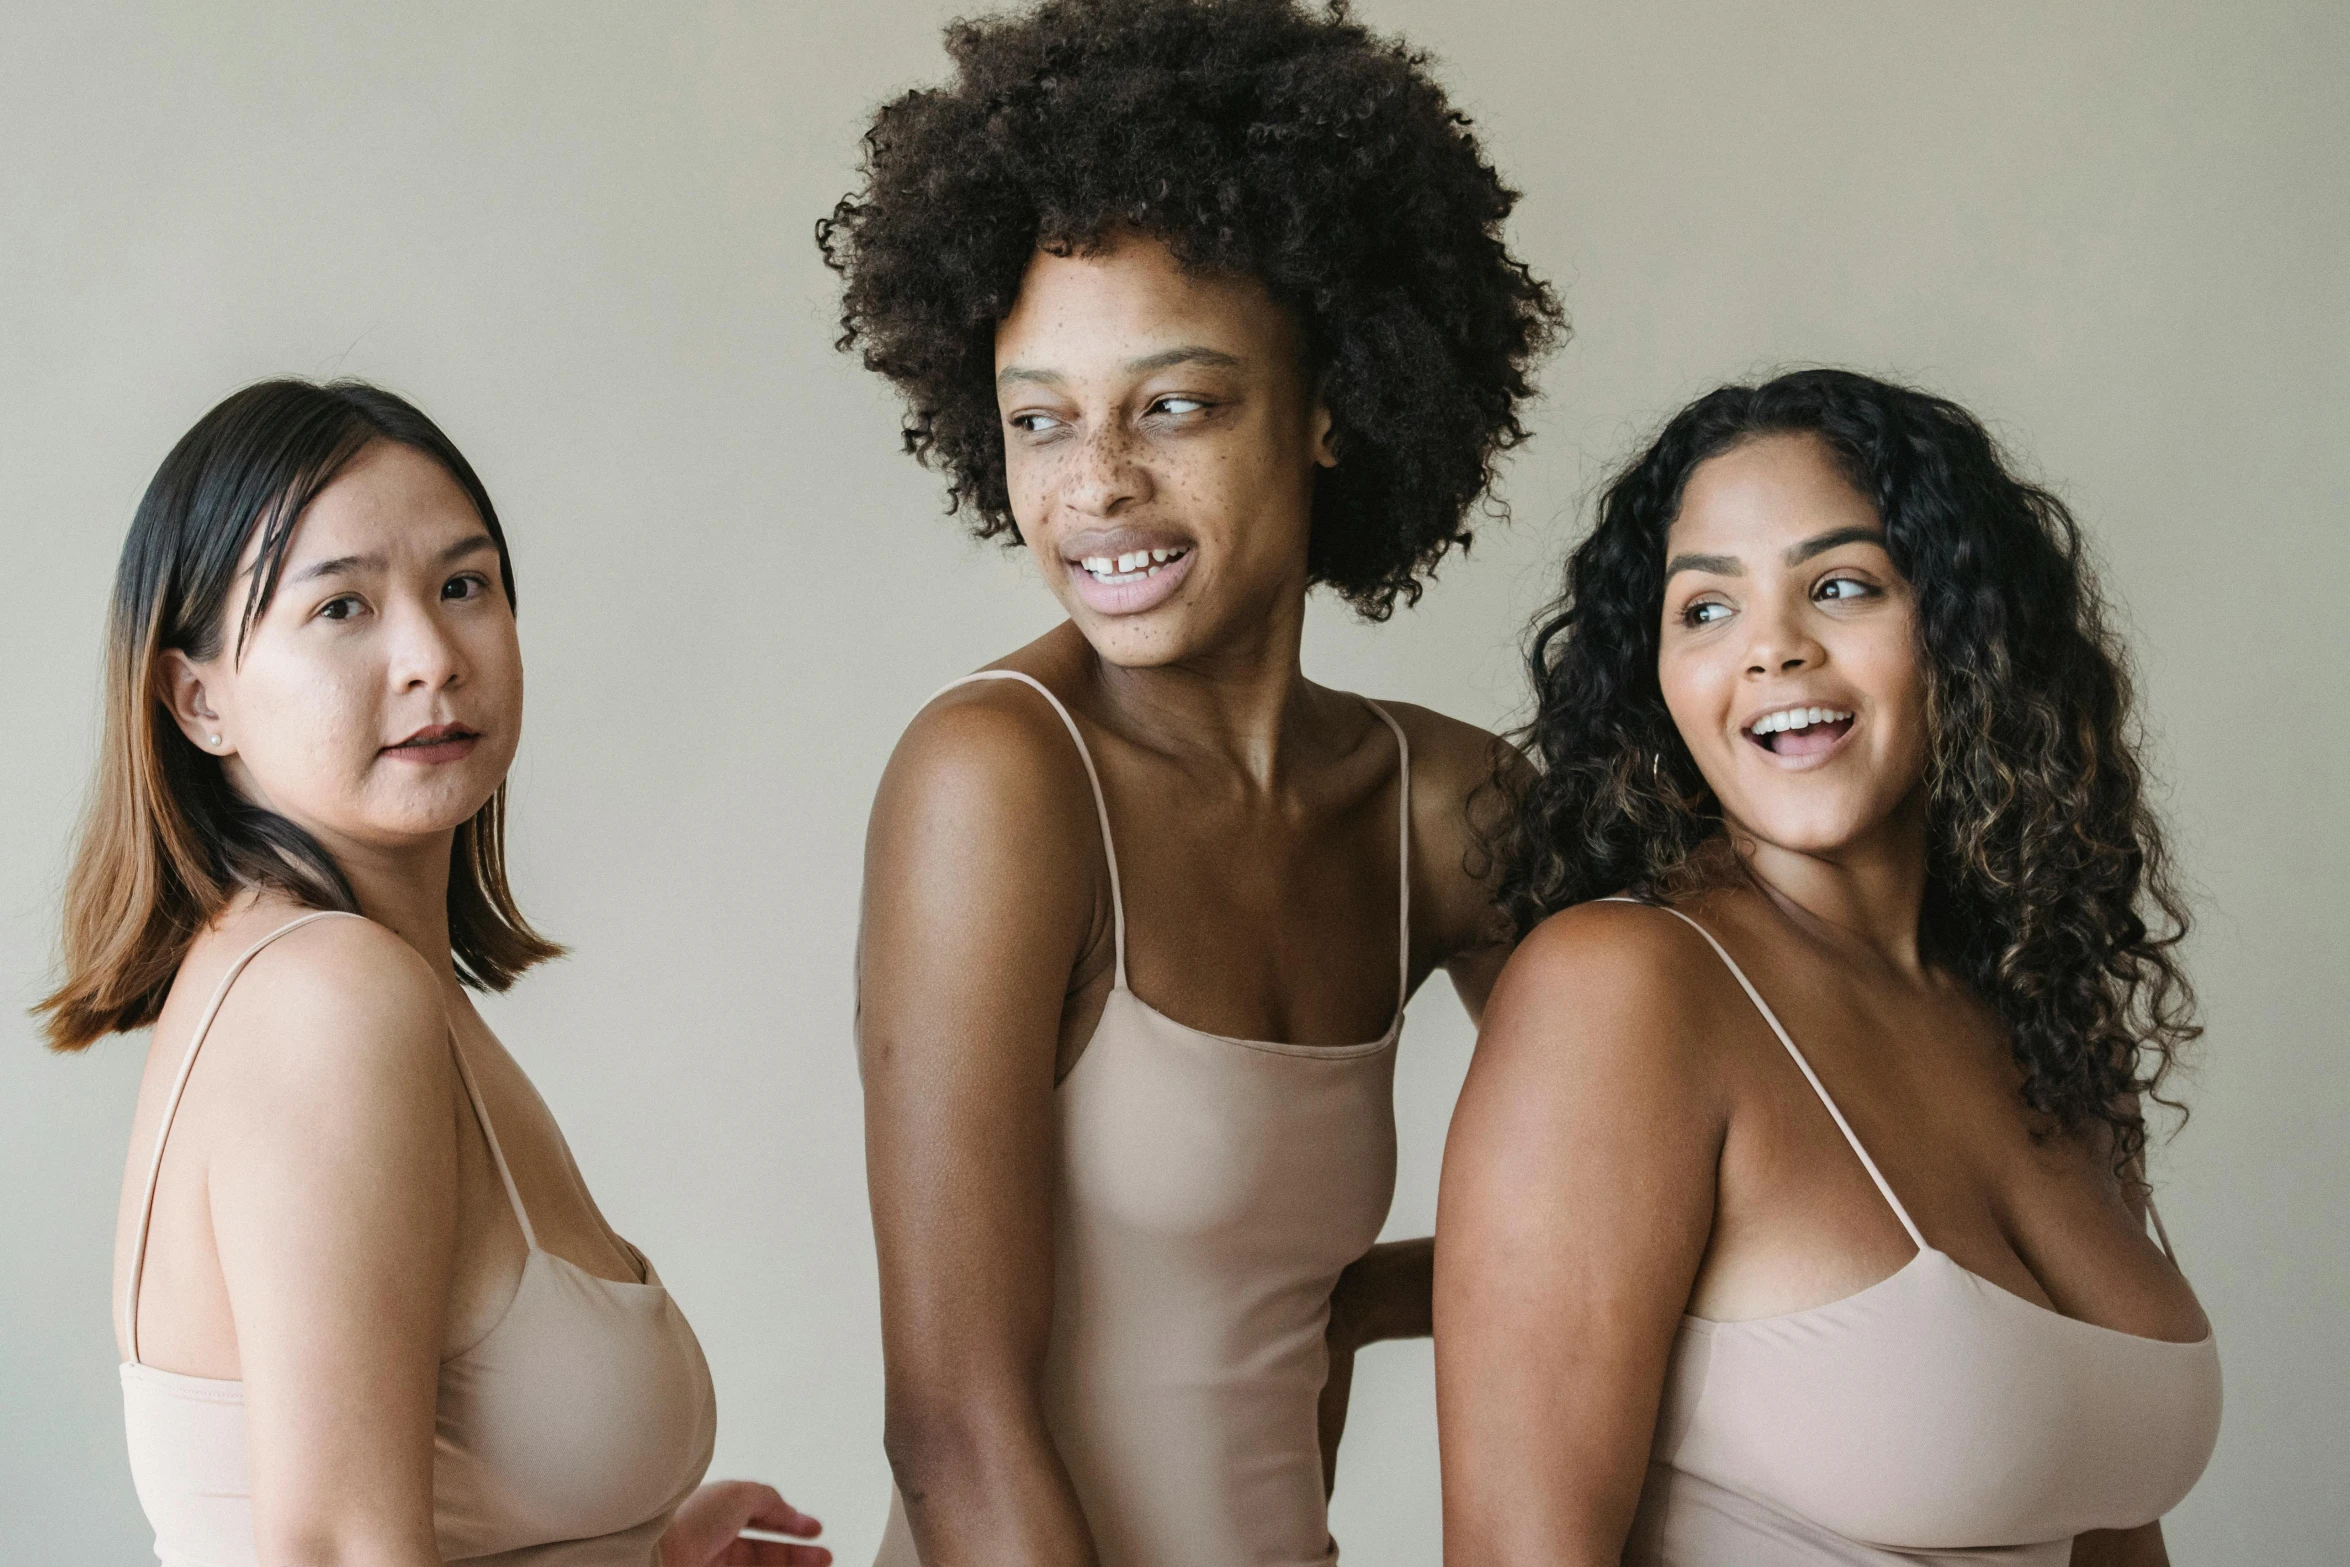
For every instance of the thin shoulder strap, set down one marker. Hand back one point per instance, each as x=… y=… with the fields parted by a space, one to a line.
x=2154 y=1216
x=1403 y=856
x=489 y=1134
x=1093 y=776
x=1809 y=1076
x=171 y=1109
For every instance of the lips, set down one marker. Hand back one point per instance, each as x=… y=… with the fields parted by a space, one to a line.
x=435 y=743
x=1799 y=732
x=1127 y=574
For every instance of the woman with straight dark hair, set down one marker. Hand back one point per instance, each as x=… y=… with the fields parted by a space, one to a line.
x=368 y=1312
x=1795 y=1208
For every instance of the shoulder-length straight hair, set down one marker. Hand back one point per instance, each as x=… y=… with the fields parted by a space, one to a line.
x=166 y=841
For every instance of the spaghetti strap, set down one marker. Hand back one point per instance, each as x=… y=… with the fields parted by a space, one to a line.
x=1883 y=1186
x=489 y=1134
x=2161 y=1235
x=1403 y=857
x=1093 y=776
x=171 y=1106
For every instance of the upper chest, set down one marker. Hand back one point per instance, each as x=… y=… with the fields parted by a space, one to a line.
x=1935 y=1099
x=1266 y=914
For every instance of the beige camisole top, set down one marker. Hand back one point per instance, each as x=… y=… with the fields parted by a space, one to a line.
x=1932 y=1417
x=1210 y=1191
x=565 y=1436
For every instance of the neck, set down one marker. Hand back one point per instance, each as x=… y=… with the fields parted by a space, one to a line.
x=1240 y=700
x=1868 y=895
x=403 y=887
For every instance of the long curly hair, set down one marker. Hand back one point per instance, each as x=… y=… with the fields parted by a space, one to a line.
x=1252 y=137
x=2049 y=890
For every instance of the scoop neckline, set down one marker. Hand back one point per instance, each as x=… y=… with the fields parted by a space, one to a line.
x=1712 y=1325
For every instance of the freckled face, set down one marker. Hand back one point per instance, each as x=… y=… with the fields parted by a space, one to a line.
x=1160 y=442
x=379 y=697
x=1788 y=651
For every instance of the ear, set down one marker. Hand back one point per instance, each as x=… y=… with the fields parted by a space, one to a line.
x=1325 y=442
x=181 y=680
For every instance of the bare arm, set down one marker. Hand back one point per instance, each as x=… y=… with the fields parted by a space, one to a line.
x=980 y=899
x=1576 y=1204
x=1385 y=1294
x=332 y=1179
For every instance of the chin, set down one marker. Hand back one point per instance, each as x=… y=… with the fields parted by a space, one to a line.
x=1138 y=641
x=1821 y=837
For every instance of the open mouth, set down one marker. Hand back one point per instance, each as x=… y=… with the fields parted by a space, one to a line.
x=1118 y=571
x=1130 y=581
x=1800 y=731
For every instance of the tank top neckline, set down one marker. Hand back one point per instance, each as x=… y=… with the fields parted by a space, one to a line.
x=1927 y=1255
x=533 y=1252
x=1119 y=987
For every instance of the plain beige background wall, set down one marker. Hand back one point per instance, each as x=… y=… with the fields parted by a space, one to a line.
x=579 y=235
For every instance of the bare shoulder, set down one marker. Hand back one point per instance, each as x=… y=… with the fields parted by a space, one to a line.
x=984 y=823
x=981 y=747
x=1451 y=759
x=1613 y=987
x=340 y=1004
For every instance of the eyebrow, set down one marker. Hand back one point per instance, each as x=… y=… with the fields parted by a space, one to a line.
x=1213 y=358
x=1793 y=555
x=344 y=565
x=1797 y=554
x=1190 y=354
x=1717 y=565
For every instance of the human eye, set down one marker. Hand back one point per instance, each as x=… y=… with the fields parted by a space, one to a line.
x=1845 y=587
x=1178 y=404
x=1704 y=612
x=464 y=586
x=1034 y=422
x=343 y=606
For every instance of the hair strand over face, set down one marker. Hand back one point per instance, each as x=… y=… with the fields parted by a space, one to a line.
x=166 y=841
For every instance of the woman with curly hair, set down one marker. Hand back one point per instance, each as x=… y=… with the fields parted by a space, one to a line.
x=1794 y=1210
x=1204 y=303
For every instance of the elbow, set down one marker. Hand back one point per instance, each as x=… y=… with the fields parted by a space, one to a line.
x=322 y=1543
x=950 y=1439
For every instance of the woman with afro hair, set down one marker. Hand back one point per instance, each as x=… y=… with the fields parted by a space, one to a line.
x=1794 y=1209
x=1204 y=303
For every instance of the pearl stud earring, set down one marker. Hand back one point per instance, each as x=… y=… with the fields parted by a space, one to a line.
x=214 y=742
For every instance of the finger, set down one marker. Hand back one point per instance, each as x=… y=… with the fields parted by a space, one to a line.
x=747 y=1552
x=806 y=1529
x=774 y=1513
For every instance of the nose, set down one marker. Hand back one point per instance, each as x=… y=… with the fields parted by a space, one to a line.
x=1780 y=644
x=424 y=654
x=1105 y=479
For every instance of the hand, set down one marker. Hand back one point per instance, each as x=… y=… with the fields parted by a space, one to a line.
x=707 y=1531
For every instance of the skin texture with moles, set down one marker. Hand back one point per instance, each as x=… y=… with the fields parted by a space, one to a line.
x=328 y=1224
x=1633 y=1143
x=1146 y=409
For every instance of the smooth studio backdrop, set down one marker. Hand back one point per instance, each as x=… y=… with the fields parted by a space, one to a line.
x=579 y=236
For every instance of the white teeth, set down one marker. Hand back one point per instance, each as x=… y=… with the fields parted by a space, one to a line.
x=1798 y=718
x=1131 y=566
